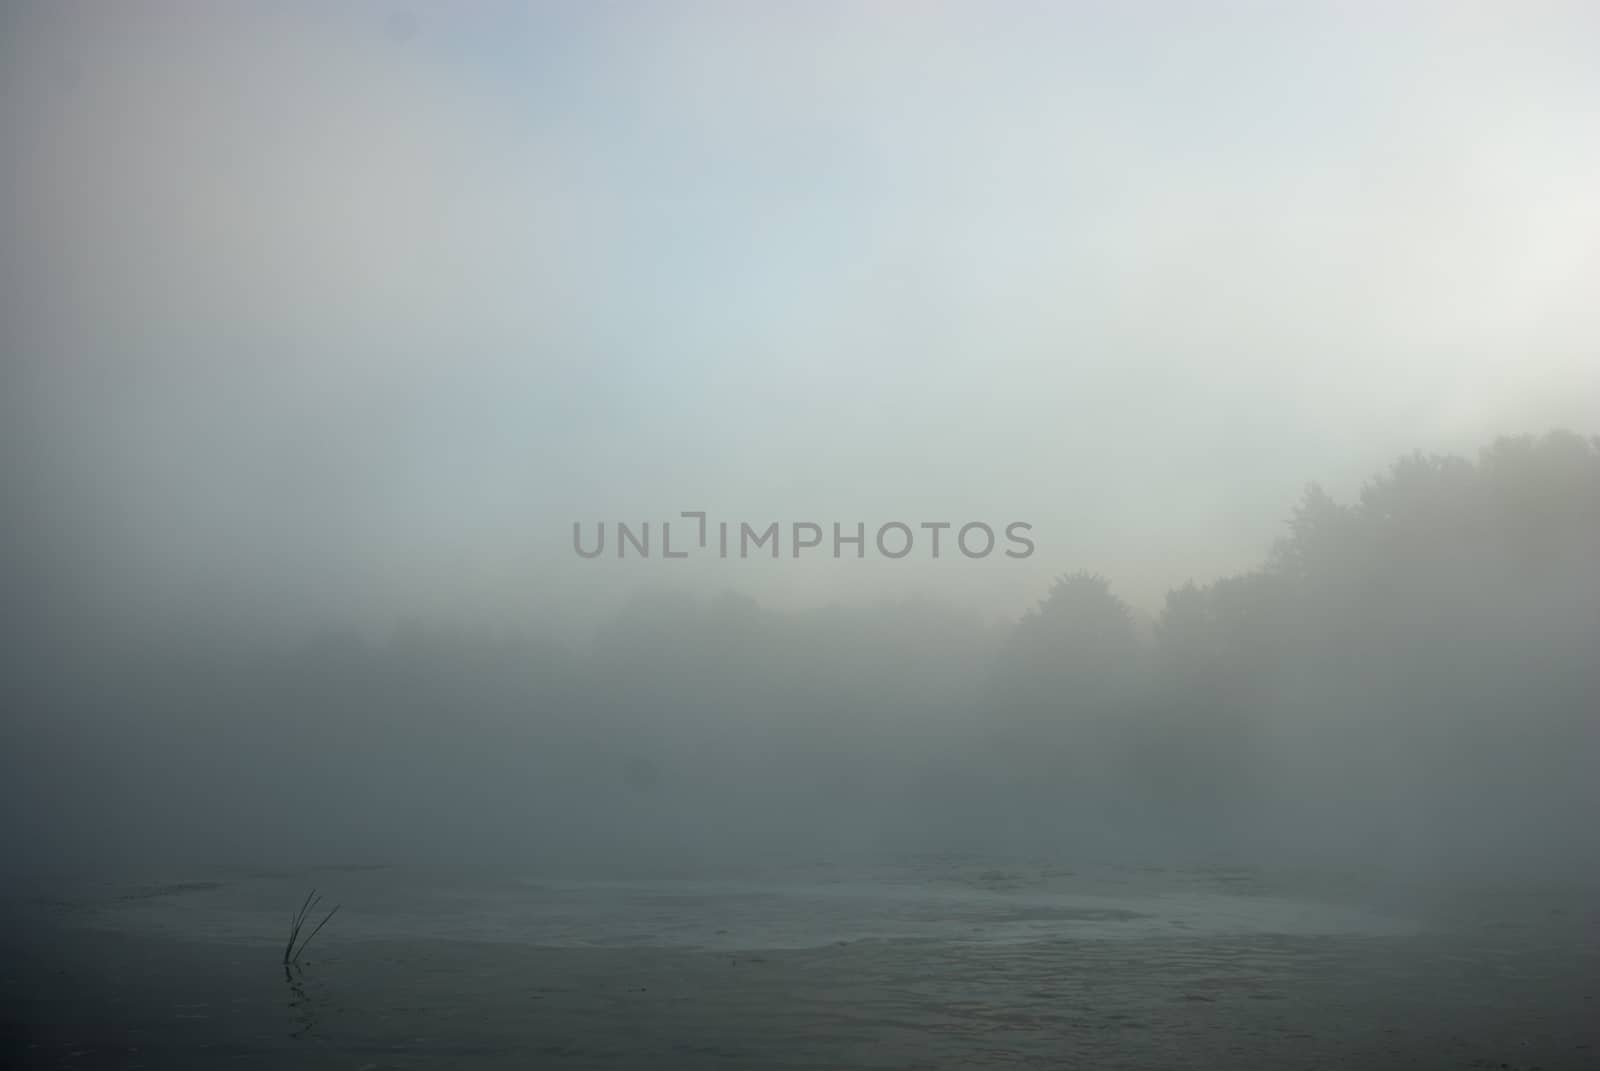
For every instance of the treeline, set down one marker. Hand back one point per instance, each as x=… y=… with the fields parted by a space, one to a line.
x=1416 y=673
x=1409 y=676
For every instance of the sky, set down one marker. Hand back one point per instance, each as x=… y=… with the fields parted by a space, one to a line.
x=346 y=313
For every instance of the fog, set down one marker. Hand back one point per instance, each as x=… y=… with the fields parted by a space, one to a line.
x=323 y=328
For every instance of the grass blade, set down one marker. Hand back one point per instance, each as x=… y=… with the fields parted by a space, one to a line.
x=318 y=930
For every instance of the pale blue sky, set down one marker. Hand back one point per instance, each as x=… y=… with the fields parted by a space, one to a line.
x=366 y=303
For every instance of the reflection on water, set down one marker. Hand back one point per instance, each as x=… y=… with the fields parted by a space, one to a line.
x=302 y=1009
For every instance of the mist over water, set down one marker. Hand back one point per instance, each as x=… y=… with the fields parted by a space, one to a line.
x=1407 y=680
x=1035 y=533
